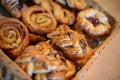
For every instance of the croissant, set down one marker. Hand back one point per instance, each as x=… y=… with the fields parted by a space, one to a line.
x=13 y=7
x=14 y=36
x=73 y=45
x=76 y=4
x=38 y=20
x=42 y=59
x=62 y=15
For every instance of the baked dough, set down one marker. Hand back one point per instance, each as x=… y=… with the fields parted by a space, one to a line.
x=73 y=45
x=43 y=59
x=93 y=22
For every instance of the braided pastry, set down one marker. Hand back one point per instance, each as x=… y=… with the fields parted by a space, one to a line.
x=13 y=7
x=73 y=45
x=14 y=36
x=93 y=22
x=42 y=59
x=38 y=21
x=76 y=4
x=62 y=15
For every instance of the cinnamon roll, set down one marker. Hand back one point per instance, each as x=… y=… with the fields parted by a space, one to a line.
x=93 y=22
x=13 y=7
x=14 y=36
x=42 y=59
x=73 y=45
x=62 y=15
x=38 y=20
x=76 y=4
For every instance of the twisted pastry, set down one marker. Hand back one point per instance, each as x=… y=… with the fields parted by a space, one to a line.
x=62 y=15
x=38 y=21
x=73 y=45
x=76 y=4
x=42 y=59
x=93 y=22
x=14 y=36
x=13 y=7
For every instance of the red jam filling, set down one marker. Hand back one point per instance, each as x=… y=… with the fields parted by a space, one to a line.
x=95 y=21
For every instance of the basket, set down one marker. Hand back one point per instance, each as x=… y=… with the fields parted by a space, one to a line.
x=11 y=69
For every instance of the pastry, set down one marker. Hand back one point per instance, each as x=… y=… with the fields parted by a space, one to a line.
x=93 y=22
x=42 y=59
x=13 y=7
x=76 y=4
x=62 y=15
x=38 y=20
x=73 y=45
x=14 y=36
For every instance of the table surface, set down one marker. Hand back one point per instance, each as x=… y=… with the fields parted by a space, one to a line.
x=107 y=66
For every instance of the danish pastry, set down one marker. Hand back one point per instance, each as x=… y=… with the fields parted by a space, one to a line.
x=43 y=59
x=73 y=45
x=76 y=4
x=62 y=15
x=38 y=20
x=14 y=36
x=93 y=22
x=12 y=6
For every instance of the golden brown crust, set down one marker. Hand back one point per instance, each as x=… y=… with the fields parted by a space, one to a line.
x=13 y=7
x=73 y=45
x=62 y=15
x=83 y=23
x=42 y=59
x=38 y=21
x=14 y=36
x=76 y=4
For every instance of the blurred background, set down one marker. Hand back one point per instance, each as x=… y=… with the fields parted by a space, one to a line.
x=107 y=66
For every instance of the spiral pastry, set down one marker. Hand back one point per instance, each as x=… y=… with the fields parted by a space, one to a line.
x=93 y=22
x=38 y=20
x=13 y=7
x=62 y=15
x=76 y=4
x=42 y=59
x=73 y=45
x=14 y=36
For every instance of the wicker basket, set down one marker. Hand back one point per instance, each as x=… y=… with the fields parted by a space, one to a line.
x=11 y=69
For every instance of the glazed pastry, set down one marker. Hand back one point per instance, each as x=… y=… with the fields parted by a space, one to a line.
x=62 y=15
x=93 y=22
x=38 y=20
x=13 y=7
x=14 y=36
x=73 y=45
x=76 y=4
x=42 y=59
